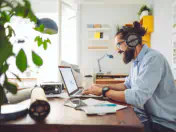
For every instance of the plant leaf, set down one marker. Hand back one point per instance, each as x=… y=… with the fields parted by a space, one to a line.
x=37 y=38
x=10 y=87
x=39 y=41
x=10 y=32
x=4 y=68
x=16 y=76
x=1 y=95
x=4 y=17
x=25 y=11
x=48 y=41
x=37 y=59
x=45 y=45
x=40 y=28
x=5 y=51
x=21 y=60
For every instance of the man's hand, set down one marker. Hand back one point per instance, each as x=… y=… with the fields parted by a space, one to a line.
x=96 y=90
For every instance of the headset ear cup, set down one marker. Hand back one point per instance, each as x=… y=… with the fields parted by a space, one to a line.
x=132 y=40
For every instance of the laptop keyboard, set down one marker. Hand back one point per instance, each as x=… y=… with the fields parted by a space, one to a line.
x=79 y=92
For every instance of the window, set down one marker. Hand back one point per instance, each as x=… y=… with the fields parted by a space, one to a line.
x=69 y=50
x=24 y=31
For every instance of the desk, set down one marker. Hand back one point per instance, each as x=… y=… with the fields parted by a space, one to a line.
x=65 y=119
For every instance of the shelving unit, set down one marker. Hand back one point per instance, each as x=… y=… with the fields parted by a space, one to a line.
x=148 y=23
x=101 y=42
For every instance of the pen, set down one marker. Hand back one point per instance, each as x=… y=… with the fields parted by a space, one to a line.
x=106 y=105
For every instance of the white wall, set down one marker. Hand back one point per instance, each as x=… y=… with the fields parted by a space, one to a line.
x=104 y=14
x=110 y=1
x=44 y=6
x=162 y=35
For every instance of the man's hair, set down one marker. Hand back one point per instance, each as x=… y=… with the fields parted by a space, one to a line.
x=136 y=28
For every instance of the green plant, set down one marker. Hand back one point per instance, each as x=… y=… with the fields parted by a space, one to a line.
x=144 y=8
x=174 y=25
x=117 y=28
x=7 y=10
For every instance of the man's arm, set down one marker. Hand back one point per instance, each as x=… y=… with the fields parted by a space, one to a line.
x=116 y=95
x=112 y=94
x=119 y=86
x=116 y=87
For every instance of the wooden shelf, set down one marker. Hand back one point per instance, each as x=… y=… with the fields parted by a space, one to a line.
x=98 y=29
x=98 y=39
x=22 y=78
x=97 y=47
x=111 y=76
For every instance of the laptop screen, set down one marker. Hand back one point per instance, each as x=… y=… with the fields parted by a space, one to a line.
x=69 y=79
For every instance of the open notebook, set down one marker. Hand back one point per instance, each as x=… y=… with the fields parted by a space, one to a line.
x=93 y=106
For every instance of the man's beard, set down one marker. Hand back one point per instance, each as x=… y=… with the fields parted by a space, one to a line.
x=128 y=55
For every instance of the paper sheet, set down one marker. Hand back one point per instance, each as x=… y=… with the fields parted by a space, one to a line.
x=92 y=101
x=101 y=110
x=91 y=107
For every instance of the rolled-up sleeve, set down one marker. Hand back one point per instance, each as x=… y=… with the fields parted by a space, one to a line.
x=146 y=82
x=127 y=82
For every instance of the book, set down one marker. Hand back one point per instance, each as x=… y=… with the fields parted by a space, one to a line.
x=101 y=34
x=97 y=25
x=97 y=35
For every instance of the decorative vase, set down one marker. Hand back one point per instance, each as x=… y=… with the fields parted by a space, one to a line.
x=144 y=13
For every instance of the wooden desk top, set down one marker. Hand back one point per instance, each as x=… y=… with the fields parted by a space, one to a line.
x=65 y=118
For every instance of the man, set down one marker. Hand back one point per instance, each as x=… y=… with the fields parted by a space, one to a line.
x=150 y=86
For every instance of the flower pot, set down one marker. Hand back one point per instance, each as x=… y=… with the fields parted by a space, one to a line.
x=144 y=13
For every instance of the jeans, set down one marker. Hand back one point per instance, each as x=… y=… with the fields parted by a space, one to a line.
x=151 y=126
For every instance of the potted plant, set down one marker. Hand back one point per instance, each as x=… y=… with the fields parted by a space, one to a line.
x=22 y=9
x=144 y=11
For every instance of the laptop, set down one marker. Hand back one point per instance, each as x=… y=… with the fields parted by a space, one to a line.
x=70 y=83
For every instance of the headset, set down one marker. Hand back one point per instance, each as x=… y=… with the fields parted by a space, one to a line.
x=132 y=39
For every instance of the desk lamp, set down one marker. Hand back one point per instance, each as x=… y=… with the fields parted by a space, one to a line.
x=105 y=55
